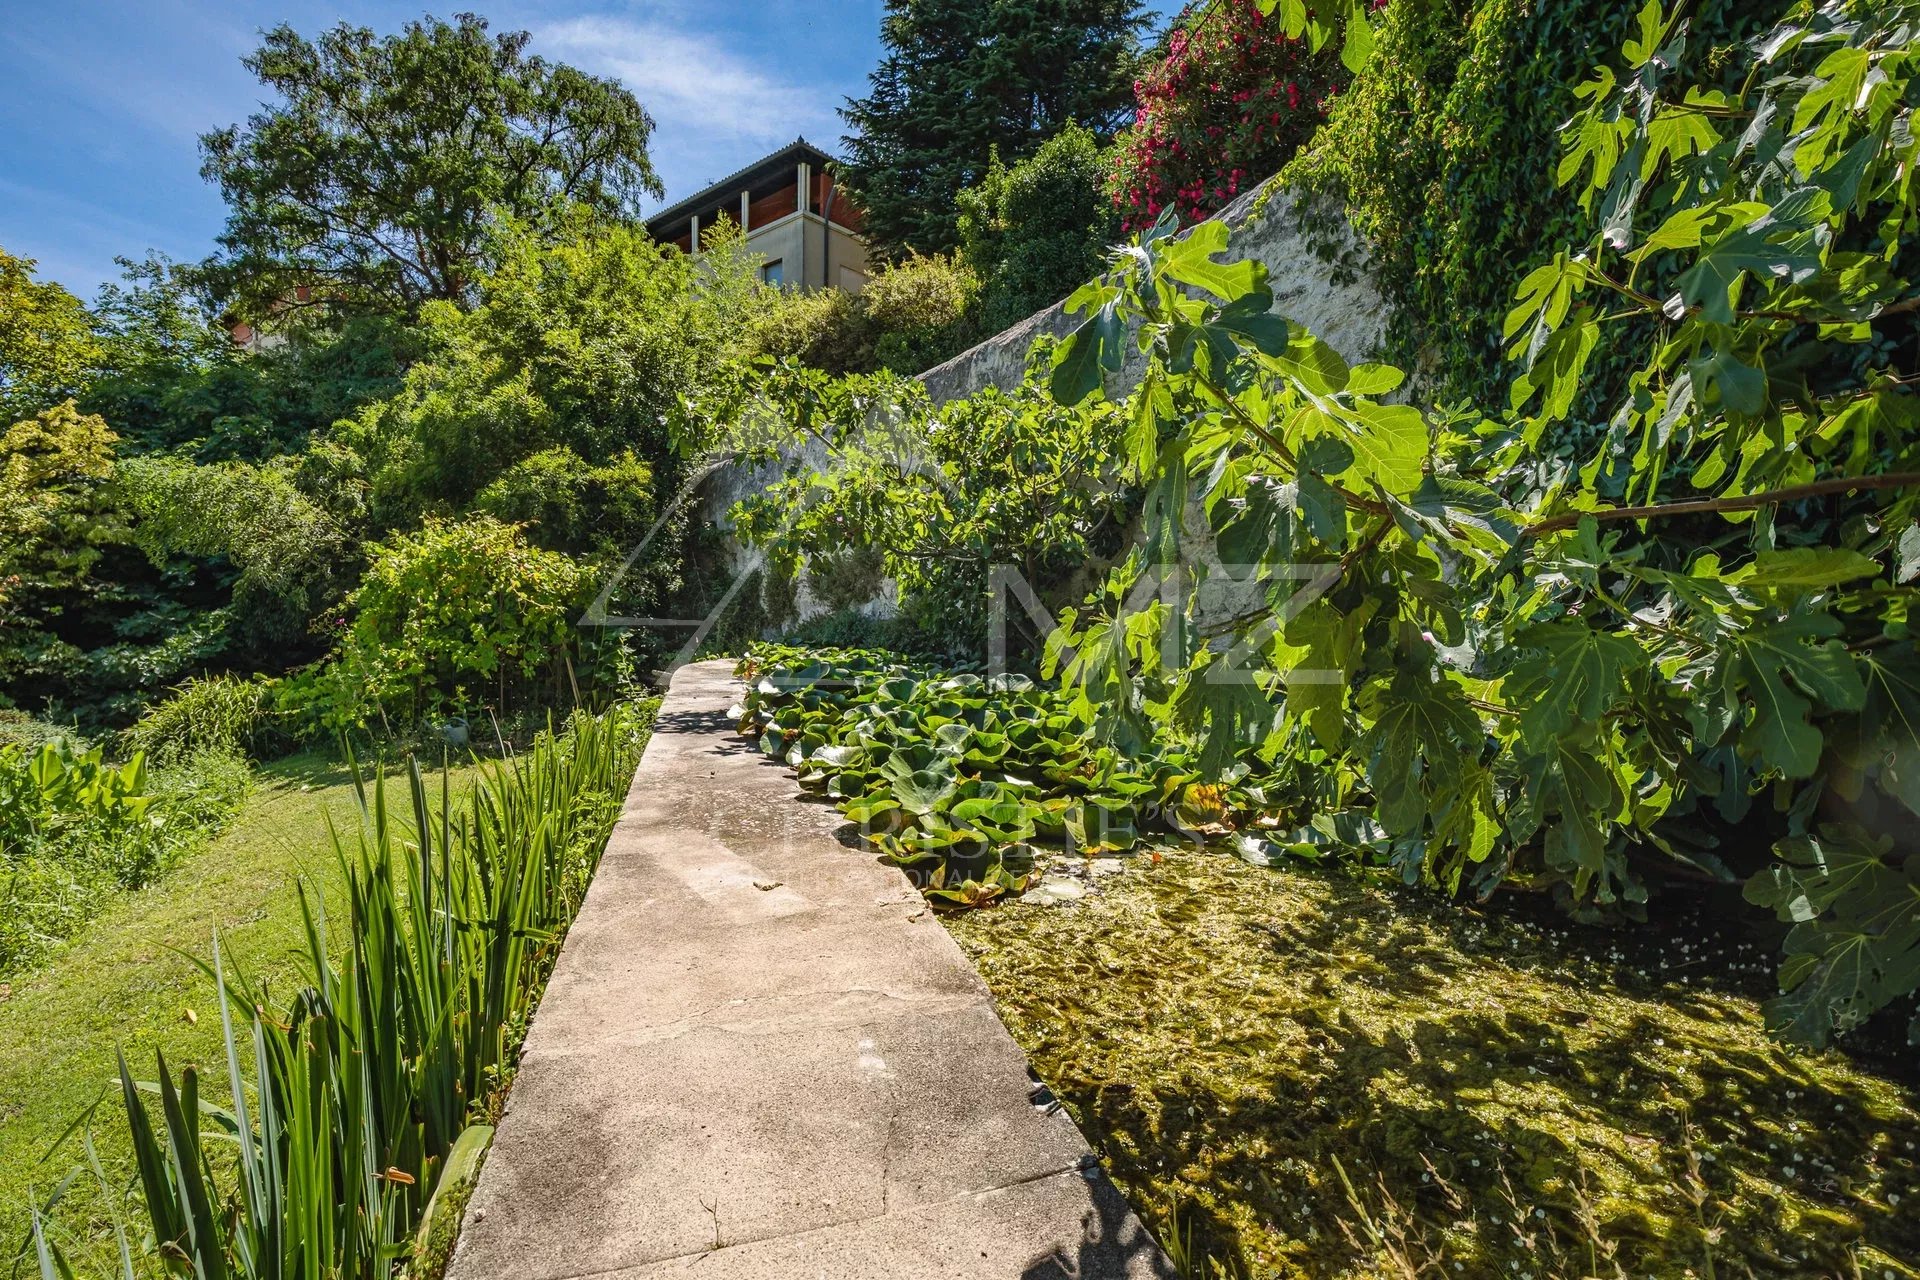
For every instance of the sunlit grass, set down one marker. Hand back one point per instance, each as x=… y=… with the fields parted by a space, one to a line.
x=125 y=983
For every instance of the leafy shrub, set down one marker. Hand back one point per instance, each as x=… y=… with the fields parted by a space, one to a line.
x=54 y=512
x=47 y=343
x=18 y=729
x=851 y=628
x=1034 y=232
x=172 y=380
x=910 y=317
x=75 y=829
x=824 y=329
x=581 y=385
x=1596 y=665
x=942 y=497
x=1443 y=156
x=921 y=311
x=1231 y=102
x=223 y=715
x=288 y=550
x=48 y=794
x=565 y=502
x=457 y=610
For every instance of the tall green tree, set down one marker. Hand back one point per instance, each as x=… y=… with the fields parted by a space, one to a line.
x=171 y=378
x=373 y=179
x=962 y=77
x=47 y=347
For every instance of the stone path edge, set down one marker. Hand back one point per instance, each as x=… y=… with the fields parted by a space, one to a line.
x=760 y=1054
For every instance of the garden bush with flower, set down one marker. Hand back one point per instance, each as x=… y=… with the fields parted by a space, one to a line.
x=1232 y=101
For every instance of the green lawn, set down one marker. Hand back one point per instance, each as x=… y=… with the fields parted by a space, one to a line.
x=122 y=983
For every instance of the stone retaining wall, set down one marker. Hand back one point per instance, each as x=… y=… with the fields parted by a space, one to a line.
x=1334 y=299
x=1319 y=281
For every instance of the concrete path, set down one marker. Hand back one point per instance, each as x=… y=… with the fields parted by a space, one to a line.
x=761 y=1056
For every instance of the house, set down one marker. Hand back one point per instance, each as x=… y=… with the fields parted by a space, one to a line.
x=805 y=228
x=250 y=337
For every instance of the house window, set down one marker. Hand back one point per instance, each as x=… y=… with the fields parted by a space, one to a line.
x=772 y=273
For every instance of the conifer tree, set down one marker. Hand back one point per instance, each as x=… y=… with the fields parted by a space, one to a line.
x=961 y=77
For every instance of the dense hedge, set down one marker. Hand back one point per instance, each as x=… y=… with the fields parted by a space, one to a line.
x=911 y=316
x=1035 y=231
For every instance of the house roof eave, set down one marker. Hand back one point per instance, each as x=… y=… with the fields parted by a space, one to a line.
x=667 y=222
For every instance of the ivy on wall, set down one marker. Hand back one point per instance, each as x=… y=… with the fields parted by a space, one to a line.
x=1443 y=154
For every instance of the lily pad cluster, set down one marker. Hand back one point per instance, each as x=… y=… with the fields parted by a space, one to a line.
x=968 y=781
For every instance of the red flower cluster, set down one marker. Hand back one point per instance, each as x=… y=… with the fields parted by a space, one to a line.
x=1234 y=98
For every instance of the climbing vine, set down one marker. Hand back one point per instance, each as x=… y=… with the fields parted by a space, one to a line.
x=1442 y=157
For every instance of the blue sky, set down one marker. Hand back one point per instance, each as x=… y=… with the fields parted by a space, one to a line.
x=101 y=102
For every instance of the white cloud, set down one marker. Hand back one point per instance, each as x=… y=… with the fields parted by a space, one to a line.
x=715 y=111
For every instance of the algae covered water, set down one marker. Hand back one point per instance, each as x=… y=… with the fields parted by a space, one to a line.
x=1296 y=1072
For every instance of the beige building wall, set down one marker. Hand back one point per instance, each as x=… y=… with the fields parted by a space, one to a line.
x=846 y=261
x=795 y=243
x=784 y=242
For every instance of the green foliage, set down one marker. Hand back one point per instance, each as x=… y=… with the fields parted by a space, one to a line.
x=343 y=1116
x=567 y=503
x=910 y=316
x=125 y=565
x=1443 y=156
x=287 y=552
x=85 y=621
x=18 y=729
x=221 y=715
x=49 y=791
x=1579 y=676
x=75 y=829
x=1034 y=232
x=56 y=516
x=227 y=534
x=171 y=378
x=963 y=80
x=372 y=178
x=824 y=329
x=457 y=610
x=1233 y=97
x=961 y=780
x=53 y=517
x=47 y=346
x=921 y=312
x=940 y=497
x=1781 y=293
x=606 y=344
x=183 y=538
x=570 y=398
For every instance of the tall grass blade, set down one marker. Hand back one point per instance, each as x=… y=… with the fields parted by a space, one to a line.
x=370 y=1094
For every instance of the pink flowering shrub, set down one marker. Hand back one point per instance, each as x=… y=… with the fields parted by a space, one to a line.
x=1230 y=104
